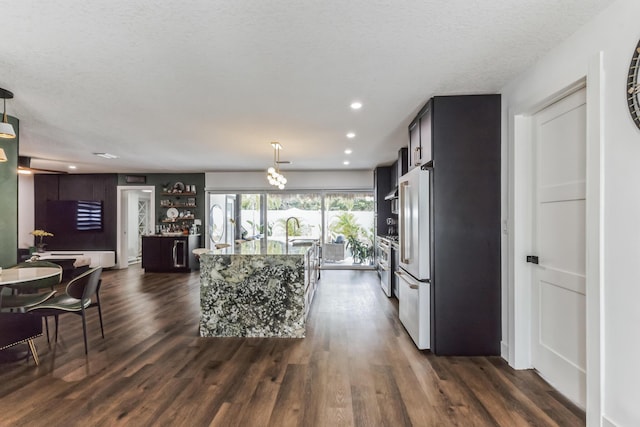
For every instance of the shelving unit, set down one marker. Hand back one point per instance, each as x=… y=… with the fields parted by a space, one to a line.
x=184 y=202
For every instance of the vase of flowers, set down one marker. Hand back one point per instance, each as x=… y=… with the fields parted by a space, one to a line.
x=41 y=234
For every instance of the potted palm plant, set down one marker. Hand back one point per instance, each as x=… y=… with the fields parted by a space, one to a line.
x=357 y=248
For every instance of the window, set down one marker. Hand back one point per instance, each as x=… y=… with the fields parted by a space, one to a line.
x=344 y=219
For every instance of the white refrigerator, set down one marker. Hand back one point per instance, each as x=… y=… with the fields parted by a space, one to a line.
x=414 y=222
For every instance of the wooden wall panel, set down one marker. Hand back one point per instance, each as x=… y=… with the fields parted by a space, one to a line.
x=78 y=187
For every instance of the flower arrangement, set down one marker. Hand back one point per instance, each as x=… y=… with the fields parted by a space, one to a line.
x=41 y=234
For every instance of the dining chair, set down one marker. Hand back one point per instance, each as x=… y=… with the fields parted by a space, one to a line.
x=77 y=299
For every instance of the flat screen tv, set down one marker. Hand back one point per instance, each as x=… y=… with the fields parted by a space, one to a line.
x=64 y=216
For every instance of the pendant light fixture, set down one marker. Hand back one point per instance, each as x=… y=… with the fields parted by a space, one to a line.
x=274 y=176
x=6 y=130
x=3 y=155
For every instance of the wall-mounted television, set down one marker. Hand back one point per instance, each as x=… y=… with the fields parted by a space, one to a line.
x=66 y=216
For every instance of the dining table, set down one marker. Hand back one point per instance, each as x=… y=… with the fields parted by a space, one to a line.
x=15 y=276
x=17 y=328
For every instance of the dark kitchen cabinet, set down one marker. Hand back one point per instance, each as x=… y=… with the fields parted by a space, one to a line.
x=382 y=187
x=169 y=253
x=394 y=175
x=420 y=138
x=414 y=144
x=464 y=142
x=426 y=136
x=403 y=163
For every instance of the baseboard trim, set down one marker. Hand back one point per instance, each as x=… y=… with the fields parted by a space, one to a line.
x=504 y=350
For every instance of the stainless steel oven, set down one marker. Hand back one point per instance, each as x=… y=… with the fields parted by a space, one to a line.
x=384 y=264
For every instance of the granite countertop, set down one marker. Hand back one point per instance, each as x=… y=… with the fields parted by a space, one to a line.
x=273 y=247
x=176 y=234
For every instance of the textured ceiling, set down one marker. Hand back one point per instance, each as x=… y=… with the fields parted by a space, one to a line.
x=205 y=85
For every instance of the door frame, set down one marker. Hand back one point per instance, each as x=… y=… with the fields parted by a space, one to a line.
x=122 y=219
x=517 y=273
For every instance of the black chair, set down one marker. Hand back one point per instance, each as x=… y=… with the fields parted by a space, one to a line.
x=96 y=303
x=77 y=299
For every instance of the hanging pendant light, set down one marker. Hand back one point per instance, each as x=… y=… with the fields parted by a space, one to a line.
x=3 y=155
x=6 y=130
x=274 y=176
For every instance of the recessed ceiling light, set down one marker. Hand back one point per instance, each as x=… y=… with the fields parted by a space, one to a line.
x=351 y=135
x=346 y=162
x=356 y=105
x=348 y=151
x=106 y=155
x=73 y=167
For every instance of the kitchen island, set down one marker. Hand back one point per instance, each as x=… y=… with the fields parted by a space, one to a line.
x=253 y=291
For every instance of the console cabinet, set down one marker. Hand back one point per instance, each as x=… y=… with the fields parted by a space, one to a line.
x=169 y=253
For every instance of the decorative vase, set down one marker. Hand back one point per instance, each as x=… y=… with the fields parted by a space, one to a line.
x=40 y=247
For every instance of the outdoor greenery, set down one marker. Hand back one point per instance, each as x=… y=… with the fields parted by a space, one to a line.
x=359 y=239
x=308 y=202
x=344 y=224
x=338 y=203
x=250 y=202
x=294 y=230
x=359 y=250
x=283 y=202
x=259 y=228
x=345 y=216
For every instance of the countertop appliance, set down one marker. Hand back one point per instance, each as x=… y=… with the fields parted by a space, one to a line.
x=414 y=270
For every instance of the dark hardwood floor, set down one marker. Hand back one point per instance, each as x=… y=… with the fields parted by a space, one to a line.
x=357 y=366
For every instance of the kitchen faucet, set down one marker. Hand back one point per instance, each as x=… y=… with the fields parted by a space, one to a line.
x=286 y=232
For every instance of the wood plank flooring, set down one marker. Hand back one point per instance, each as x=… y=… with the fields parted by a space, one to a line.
x=357 y=367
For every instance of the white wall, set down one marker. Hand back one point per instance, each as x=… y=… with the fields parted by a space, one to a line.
x=132 y=221
x=297 y=180
x=26 y=218
x=615 y=33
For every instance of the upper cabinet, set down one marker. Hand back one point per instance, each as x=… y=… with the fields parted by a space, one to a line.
x=403 y=164
x=420 y=137
x=415 y=149
x=382 y=187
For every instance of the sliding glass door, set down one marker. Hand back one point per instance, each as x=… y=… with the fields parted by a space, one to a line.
x=221 y=219
x=349 y=221
x=296 y=217
x=342 y=222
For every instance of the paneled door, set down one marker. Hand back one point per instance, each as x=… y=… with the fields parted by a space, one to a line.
x=559 y=280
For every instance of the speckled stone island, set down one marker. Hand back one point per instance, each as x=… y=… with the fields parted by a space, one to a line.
x=252 y=296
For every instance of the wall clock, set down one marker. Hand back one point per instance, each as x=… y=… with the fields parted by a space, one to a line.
x=633 y=87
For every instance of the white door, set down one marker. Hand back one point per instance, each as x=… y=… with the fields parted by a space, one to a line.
x=128 y=227
x=559 y=281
